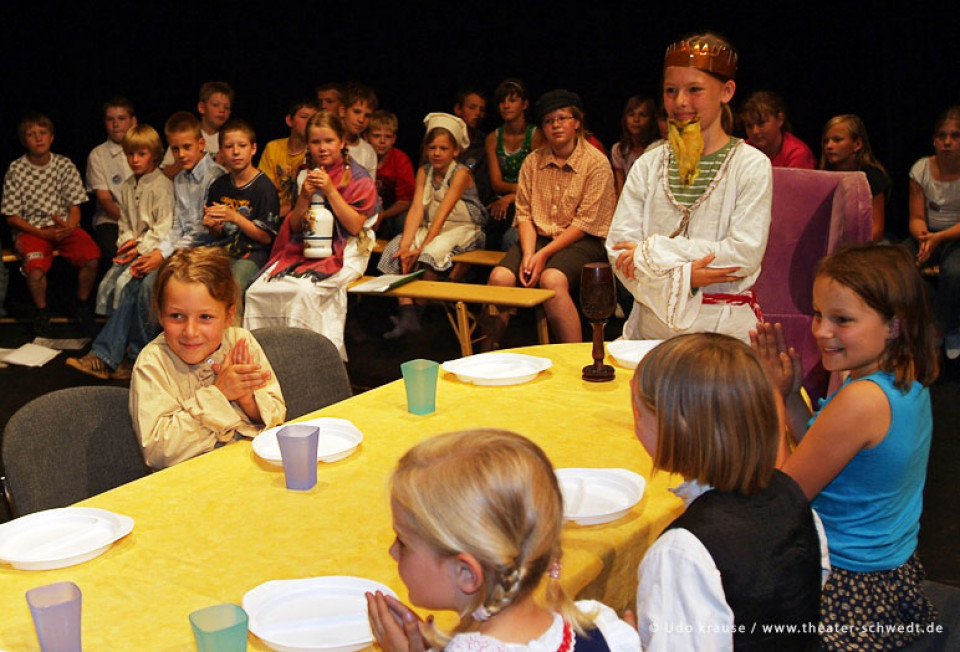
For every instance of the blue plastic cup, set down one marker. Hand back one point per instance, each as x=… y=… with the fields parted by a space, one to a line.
x=56 y=616
x=298 y=450
x=420 y=381
x=220 y=628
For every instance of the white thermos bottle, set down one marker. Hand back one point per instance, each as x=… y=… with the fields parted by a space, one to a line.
x=318 y=229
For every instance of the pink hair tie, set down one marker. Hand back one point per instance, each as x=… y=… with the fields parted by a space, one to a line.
x=481 y=613
x=554 y=570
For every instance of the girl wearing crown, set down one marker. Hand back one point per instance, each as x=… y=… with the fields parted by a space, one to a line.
x=691 y=226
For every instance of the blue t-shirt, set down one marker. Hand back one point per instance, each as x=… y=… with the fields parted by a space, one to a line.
x=871 y=510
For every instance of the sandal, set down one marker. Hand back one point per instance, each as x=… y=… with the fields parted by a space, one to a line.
x=124 y=370
x=90 y=365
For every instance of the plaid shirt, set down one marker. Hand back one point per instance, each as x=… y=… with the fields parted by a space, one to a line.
x=578 y=193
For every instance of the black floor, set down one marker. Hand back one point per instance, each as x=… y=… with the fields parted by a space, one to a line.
x=375 y=361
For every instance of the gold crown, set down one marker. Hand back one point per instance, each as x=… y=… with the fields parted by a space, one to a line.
x=711 y=58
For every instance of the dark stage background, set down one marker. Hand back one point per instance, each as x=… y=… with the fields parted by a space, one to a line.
x=896 y=70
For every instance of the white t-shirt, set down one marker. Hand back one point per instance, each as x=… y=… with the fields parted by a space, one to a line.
x=107 y=169
x=941 y=198
x=364 y=154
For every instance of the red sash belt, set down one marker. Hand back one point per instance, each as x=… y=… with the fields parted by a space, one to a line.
x=747 y=297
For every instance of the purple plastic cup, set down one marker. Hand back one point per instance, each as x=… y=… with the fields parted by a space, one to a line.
x=56 y=616
x=298 y=450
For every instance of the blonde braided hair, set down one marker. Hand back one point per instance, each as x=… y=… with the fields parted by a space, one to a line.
x=491 y=494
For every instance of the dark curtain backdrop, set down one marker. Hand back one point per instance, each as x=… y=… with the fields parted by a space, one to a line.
x=825 y=58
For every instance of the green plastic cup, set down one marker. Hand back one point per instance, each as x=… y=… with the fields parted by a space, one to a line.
x=420 y=381
x=220 y=628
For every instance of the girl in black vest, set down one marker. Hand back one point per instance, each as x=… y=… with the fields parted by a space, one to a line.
x=741 y=568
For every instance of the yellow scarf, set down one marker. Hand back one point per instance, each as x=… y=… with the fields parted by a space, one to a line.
x=687 y=143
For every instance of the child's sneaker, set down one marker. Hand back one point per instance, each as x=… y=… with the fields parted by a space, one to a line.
x=124 y=370
x=41 y=323
x=90 y=365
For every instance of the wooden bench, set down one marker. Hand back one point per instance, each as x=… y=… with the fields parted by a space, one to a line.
x=483 y=257
x=10 y=257
x=460 y=294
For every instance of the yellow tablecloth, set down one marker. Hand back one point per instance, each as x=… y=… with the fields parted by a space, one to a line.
x=212 y=528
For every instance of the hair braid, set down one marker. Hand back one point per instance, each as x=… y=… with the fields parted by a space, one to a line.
x=346 y=176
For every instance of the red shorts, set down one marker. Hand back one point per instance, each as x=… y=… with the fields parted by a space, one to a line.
x=37 y=253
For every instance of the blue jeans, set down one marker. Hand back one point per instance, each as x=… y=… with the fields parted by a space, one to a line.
x=131 y=325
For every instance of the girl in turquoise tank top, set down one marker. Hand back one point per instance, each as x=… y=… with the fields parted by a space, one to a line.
x=862 y=458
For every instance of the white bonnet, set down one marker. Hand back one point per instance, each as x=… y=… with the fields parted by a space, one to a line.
x=451 y=123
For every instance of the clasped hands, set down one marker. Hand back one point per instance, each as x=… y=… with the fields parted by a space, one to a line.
x=58 y=231
x=317 y=179
x=928 y=243
x=396 y=627
x=240 y=374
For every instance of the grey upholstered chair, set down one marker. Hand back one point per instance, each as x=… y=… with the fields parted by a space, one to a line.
x=308 y=368
x=69 y=445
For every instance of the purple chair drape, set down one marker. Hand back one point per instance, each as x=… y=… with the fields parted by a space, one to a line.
x=814 y=212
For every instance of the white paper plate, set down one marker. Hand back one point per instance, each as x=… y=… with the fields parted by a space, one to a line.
x=629 y=353
x=318 y=613
x=56 y=538
x=594 y=496
x=338 y=439
x=497 y=368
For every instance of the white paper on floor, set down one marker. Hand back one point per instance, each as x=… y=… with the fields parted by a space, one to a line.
x=31 y=355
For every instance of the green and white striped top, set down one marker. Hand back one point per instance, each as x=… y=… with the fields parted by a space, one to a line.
x=708 y=167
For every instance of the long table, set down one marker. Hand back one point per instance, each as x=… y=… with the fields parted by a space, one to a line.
x=212 y=528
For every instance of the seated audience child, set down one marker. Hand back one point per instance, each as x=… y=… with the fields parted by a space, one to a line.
x=471 y=106
x=216 y=100
x=311 y=293
x=507 y=147
x=691 y=226
x=107 y=169
x=935 y=223
x=42 y=193
x=862 y=457
x=242 y=209
x=565 y=201
x=130 y=327
x=330 y=97
x=394 y=174
x=638 y=128
x=445 y=218
x=478 y=517
x=197 y=172
x=201 y=383
x=765 y=120
x=281 y=158
x=747 y=552
x=146 y=212
x=846 y=148
x=359 y=103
